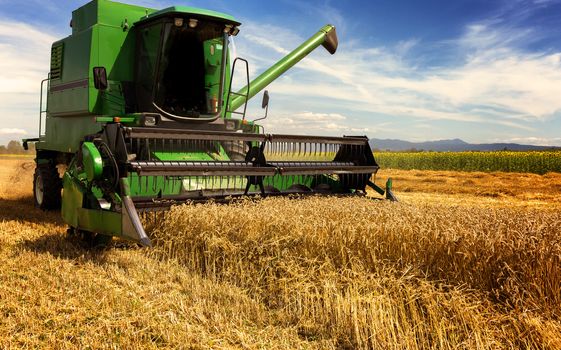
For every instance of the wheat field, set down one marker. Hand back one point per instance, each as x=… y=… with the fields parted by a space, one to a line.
x=464 y=261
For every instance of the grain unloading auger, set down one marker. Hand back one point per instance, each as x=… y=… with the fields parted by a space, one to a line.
x=140 y=110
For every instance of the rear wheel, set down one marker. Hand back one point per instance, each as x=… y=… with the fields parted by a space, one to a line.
x=46 y=187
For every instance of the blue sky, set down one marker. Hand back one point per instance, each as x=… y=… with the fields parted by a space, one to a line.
x=482 y=71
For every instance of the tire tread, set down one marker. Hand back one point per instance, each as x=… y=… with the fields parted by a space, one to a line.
x=52 y=185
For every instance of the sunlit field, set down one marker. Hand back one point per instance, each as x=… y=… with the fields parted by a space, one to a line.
x=465 y=260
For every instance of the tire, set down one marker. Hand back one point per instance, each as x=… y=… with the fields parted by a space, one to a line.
x=46 y=187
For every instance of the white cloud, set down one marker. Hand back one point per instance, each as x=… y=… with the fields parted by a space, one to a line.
x=24 y=62
x=321 y=11
x=24 y=57
x=404 y=46
x=310 y=116
x=311 y=123
x=545 y=2
x=12 y=131
x=494 y=82
x=537 y=141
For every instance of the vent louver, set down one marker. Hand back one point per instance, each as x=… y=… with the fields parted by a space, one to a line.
x=56 y=61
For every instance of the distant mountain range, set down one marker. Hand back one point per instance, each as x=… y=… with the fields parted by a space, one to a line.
x=454 y=145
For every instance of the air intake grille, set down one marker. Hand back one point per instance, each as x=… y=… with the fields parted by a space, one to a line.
x=56 y=61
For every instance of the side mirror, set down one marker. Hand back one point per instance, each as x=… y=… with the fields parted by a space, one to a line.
x=265 y=101
x=264 y=104
x=100 y=78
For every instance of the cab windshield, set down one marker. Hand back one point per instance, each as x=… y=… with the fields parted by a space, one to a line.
x=181 y=68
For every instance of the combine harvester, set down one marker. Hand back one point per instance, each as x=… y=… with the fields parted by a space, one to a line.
x=139 y=110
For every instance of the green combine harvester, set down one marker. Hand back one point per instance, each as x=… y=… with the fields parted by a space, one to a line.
x=141 y=115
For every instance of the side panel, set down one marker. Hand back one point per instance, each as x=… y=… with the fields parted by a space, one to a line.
x=93 y=220
x=69 y=94
x=102 y=35
x=112 y=49
x=68 y=117
x=65 y=133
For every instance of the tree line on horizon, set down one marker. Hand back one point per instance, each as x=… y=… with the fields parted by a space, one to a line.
x=15 y=147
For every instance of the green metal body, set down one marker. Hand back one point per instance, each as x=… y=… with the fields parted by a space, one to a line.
x=103 y=35
x=99 y=38
x=86 y=123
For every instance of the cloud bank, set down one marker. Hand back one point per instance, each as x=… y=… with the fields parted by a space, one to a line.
x=486 y=87
x=24 y=62
x=491 y=82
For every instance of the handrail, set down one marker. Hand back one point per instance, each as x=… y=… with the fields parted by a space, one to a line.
x=230 y=92
x=41 y=111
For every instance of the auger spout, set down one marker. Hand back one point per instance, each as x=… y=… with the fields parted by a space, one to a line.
x=326 y=36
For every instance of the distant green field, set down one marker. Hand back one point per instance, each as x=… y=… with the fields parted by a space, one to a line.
x=524 y=162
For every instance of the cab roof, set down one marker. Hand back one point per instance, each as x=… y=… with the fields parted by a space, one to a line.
x=187 y=10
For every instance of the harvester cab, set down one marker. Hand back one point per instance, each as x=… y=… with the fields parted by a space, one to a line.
x=181 y=65
x=140 y=111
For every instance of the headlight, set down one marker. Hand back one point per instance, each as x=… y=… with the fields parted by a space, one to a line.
x=230 y=125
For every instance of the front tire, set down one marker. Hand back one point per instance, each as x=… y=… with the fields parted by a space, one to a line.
x=46 y=187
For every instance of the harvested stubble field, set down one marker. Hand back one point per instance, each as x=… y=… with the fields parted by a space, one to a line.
x=466 y=260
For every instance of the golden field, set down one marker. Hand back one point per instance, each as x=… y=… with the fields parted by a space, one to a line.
x=464 y=261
